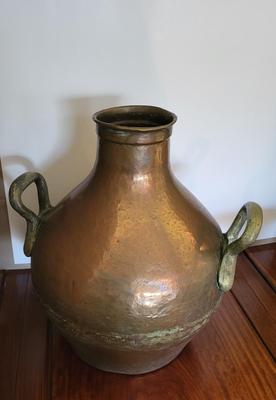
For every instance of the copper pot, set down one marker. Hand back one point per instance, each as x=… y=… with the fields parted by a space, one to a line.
x=129 y=266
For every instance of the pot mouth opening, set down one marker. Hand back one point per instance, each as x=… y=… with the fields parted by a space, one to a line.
x=136 y=118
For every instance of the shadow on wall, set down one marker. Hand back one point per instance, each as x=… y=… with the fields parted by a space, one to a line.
x=78 y=140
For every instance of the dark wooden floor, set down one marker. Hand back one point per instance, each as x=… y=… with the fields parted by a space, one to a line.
x=231 y=358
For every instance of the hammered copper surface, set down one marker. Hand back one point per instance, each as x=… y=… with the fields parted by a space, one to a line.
x=127 y=264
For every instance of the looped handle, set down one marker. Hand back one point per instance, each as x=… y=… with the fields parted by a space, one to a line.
x=15 y=196
x=251 y=214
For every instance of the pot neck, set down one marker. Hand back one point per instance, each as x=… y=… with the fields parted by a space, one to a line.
x=132 y=159
x=133 y=140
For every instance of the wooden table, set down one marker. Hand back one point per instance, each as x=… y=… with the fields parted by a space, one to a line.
x=231 y=358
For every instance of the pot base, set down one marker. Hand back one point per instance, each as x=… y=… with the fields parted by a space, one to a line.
x=127 y=362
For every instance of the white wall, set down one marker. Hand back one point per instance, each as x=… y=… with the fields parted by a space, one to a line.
x=212 y=62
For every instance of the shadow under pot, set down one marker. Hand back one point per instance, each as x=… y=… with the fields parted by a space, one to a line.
x=129 y=266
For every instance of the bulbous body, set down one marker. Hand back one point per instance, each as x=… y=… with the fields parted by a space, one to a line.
x=127 y=264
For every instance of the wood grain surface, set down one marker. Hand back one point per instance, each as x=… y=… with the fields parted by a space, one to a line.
x=264 y=258
x=231 y=358
x=258 y=301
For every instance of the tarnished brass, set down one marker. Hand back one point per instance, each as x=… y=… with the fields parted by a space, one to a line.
x=33 y=220
x=129 y=266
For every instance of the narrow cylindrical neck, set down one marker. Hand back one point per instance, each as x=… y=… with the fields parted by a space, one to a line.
x=133 y=141
x=133 y=159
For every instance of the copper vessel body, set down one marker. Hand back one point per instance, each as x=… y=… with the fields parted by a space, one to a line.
x=129 y=266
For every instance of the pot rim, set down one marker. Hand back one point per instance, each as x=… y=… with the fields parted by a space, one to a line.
x=124 y=118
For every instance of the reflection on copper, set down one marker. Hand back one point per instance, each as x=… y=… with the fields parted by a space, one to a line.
x=149 y=296
x=141 y=180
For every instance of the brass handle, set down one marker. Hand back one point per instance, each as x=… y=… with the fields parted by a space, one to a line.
x=252 y=214
x=33 y=221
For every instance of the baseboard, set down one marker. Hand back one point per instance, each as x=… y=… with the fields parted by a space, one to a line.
x=259 y=242
x=15 y=266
